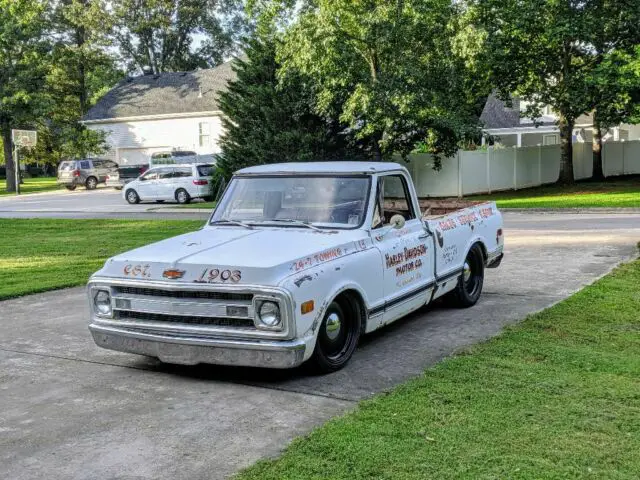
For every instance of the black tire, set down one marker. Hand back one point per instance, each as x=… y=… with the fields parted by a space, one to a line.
x=335 y=346
x=132 y=196
x=182 y=196
x=70 y=187
x=469 y=288
x=91 y=183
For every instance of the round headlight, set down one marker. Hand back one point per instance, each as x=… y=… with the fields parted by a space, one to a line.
x=269 y=314
x=102 y=302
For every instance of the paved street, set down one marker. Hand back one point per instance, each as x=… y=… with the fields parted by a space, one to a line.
x=71 y=410
x=99 y=203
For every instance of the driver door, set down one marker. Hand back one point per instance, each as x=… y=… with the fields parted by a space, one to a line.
x=407 y=259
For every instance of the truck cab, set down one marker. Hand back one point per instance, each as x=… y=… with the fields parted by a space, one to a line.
x=295 y=264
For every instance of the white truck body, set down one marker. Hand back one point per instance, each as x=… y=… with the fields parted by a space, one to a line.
x=200 y=297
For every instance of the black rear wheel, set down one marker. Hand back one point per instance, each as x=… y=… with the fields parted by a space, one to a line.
x=338 y=335
x=469 y=288
x=91 y=183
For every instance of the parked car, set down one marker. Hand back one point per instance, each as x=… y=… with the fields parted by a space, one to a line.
x=88 y=172
x=124 y=175
x=295 y=264
x=181 y=183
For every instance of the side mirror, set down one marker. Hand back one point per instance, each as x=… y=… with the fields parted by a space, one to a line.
x=397 y=221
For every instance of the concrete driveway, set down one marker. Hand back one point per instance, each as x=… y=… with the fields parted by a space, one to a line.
x=71 y=410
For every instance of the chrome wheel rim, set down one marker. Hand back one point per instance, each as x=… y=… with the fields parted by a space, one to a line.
x=467 y=271
x=131 y=197
x=333 y=326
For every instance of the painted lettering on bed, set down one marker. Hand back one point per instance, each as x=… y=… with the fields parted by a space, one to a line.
x=486 y=212
x=449 y=224
x=467 y=219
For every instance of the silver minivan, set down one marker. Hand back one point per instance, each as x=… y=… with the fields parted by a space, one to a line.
x=88 y=172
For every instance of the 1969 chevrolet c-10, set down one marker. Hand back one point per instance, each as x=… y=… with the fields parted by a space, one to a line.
x=296 y=263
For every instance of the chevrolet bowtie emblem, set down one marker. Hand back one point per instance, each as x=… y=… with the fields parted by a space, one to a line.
x=173 y=274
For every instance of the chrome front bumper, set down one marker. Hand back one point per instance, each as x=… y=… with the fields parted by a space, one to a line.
x=187 y=350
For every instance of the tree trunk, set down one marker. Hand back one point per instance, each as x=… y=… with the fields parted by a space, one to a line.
x=375 y=147
x=566 y=150
x=5 y=130
x=598 y=170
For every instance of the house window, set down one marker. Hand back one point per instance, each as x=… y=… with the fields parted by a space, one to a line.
x=550 y=140
x=204 y=133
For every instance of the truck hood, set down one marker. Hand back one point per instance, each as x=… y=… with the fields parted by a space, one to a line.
x=262 y=256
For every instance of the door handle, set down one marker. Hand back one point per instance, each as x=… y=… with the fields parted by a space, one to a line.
x=423 y=235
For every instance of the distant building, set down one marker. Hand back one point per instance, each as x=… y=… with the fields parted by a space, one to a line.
x=156 y=113
x=508 y=126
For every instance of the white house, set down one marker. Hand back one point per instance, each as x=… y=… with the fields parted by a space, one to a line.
x=170 y=111
x=510 y=128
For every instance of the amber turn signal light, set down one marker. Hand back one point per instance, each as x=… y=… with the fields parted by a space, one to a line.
x=307 y=307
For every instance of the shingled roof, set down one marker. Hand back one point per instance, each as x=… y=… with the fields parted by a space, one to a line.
x=163 y=94
x=496 y=114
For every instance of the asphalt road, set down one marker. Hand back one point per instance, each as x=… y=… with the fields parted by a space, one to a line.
x=100 y=203
x=71 y=410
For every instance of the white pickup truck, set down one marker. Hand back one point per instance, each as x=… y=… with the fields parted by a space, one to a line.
x=296 y=263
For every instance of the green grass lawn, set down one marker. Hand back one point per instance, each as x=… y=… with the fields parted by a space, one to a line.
x=32 y=185
x=555 y=397
x=611 y=194
x=39 y=254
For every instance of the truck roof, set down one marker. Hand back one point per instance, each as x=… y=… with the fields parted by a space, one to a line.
x=322 y=167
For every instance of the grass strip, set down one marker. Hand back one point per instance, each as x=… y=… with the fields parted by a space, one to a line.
x=43 y=254
x=611 y=194
x=555 y=397
x=32 y=185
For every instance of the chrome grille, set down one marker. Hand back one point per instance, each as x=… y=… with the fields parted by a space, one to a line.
x=157 y=292
x=200 y=308
x=188 y=320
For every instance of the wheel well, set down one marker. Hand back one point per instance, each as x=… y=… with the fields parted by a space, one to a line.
x=91 y=176
x=354 y=296
x=483 y=249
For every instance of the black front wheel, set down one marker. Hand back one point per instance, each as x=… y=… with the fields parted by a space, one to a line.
x=469 y=288
x=132 y=197
x=338 y=335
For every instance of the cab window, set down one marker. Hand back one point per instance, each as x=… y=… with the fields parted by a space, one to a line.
x=150 y=175
x=164 y=173
x=392 y=199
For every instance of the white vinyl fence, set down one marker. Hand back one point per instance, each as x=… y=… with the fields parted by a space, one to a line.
x=484 y=171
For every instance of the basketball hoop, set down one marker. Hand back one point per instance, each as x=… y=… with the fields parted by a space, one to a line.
x=24 y=138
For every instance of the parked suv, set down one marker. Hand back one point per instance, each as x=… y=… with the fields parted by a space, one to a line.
x=88 y=172
x=181 y=183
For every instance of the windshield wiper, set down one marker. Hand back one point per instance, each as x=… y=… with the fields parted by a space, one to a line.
x=293 y=222
x=231 y=222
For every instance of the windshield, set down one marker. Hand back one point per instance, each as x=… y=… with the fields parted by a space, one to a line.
x=322 y=201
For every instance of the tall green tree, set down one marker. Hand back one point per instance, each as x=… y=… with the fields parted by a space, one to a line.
x=24 y=59
x=176 y=35
x=82 y=69
x=548 y=52
x=613 y=80
x=266 y=122
x=390 y=69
